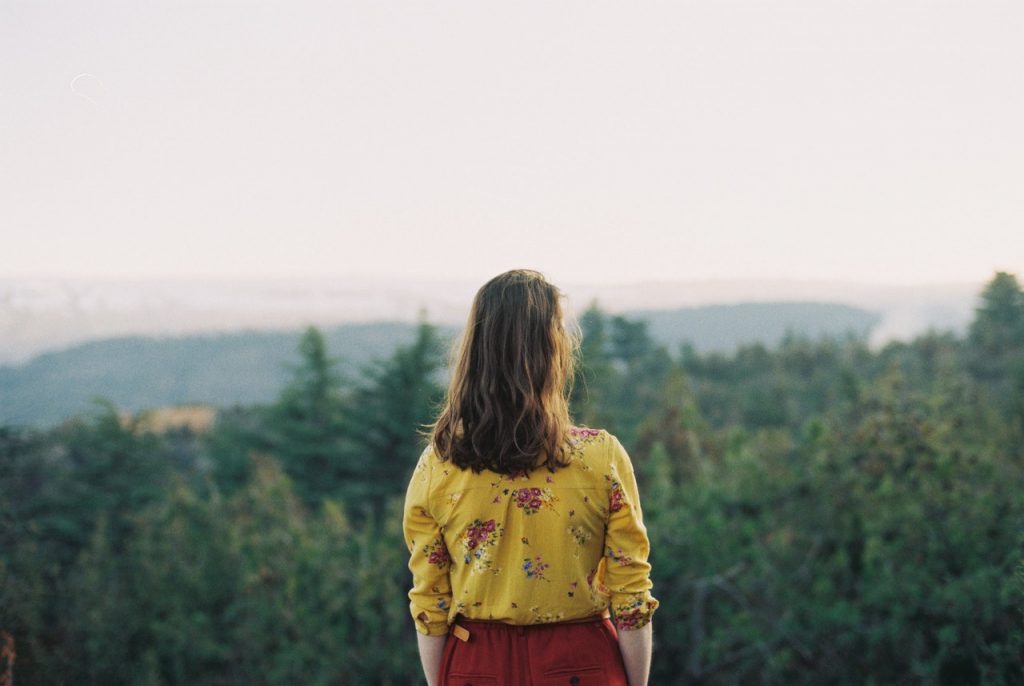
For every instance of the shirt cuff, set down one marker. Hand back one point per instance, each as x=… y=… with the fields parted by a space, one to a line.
x=428 y=628
x=634 y=610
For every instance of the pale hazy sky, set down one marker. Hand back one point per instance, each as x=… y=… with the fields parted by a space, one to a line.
x=595 y=141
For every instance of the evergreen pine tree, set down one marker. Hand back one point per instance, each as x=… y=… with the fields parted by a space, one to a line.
x=398 y=396
x=595 y=374
x=305 y=427
x=998 y=326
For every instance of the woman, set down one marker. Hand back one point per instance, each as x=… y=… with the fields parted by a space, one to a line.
x=524 y=530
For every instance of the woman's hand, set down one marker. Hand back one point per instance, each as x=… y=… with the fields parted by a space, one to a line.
x=431 y=652
x=636 y=646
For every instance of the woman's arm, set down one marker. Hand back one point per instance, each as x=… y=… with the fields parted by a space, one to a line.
x=628 y=573
x=431 y=593
x=431 y=652
x=635 y=646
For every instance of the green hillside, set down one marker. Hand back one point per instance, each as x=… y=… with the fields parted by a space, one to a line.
x=248 y=367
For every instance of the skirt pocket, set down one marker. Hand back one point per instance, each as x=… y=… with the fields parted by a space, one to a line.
x=574 y=676
x=471 y=680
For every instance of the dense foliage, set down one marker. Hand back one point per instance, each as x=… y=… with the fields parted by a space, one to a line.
x=819 y=513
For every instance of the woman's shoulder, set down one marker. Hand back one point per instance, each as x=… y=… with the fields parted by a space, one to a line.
x=432 y=460
x=585 y=436
x=590 y=445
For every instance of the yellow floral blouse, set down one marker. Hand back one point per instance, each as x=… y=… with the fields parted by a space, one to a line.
x=529 y=548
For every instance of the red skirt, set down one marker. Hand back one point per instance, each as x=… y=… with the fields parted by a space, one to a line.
x=573 y=653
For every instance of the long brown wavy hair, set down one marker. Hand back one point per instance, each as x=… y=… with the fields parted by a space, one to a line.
x=507 y=405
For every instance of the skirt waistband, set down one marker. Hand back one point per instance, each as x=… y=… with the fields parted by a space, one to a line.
x=461 y=622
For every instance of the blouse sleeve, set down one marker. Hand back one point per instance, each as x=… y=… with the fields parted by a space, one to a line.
x=431 y=593
x=627 y=547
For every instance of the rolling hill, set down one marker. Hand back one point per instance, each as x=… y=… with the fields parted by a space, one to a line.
x=250 y=366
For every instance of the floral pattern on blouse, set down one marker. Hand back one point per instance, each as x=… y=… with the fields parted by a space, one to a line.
x=634 y=613
x=535 y=568
x=545 y=617
x=437 y=553
x=532 y=500
x=476 y=542
x=530 y=547
x=579 y=438
x=619 y=557
x=581 y=536
x=615 y=497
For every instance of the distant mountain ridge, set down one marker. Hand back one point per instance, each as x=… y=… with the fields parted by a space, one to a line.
x=137 y=372
x=49 y=314
x=723 y=327
x=251 y=366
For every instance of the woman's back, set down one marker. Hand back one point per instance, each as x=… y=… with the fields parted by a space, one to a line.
x=529 y=548
x=519 y=523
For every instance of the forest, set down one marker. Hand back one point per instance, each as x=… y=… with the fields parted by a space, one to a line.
x=819 y=512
